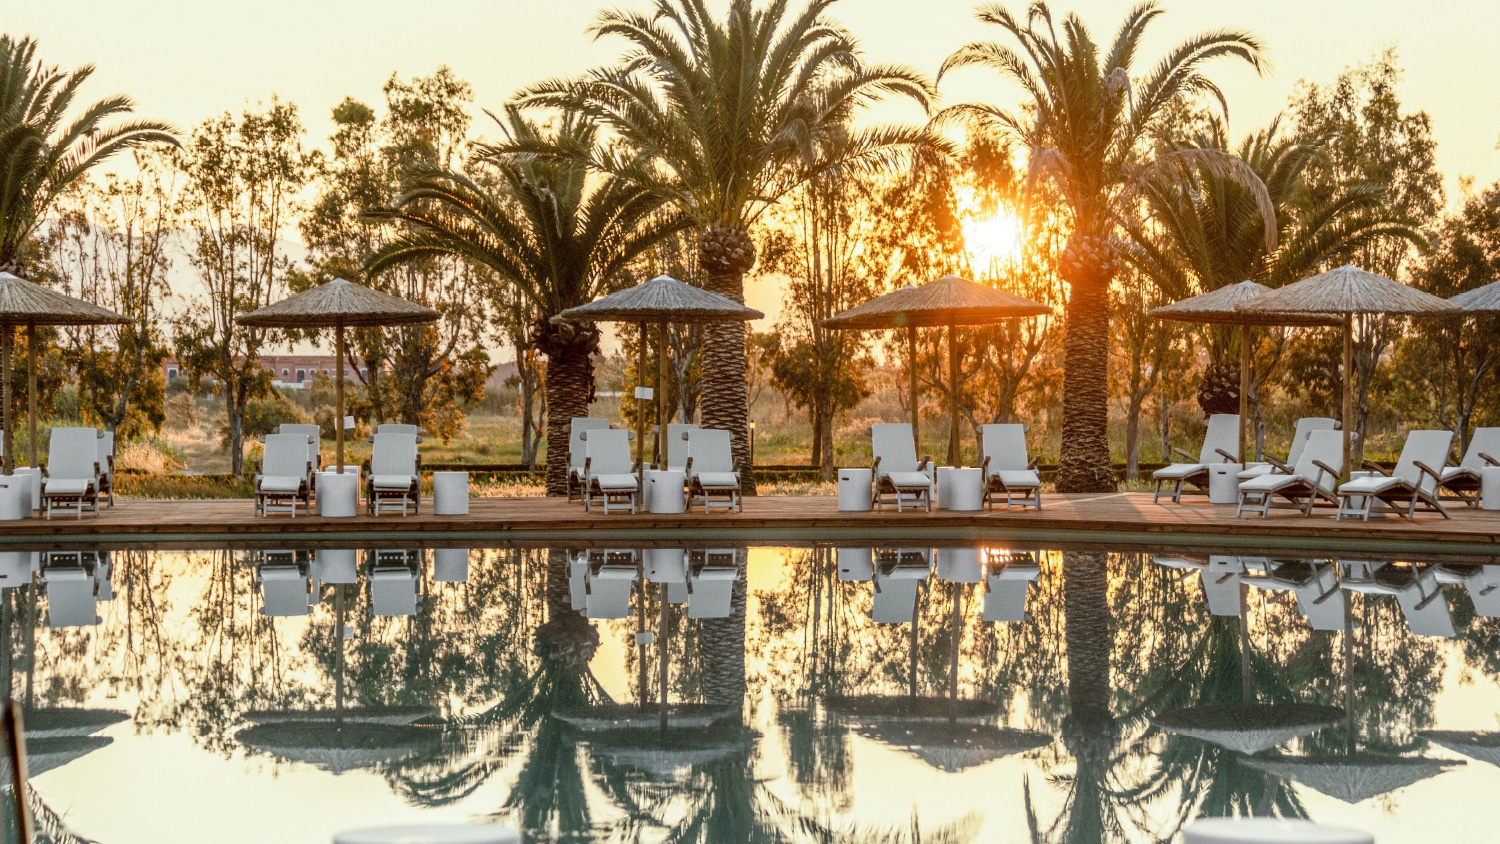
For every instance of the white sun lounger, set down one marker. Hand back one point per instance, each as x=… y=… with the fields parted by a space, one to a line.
x=393 y=482
x=576 y=453
x=1414 y=480
x=393 y=579
x=1007 y=469
x=1314 y=477
x=1221 y=444
x=314 y=436
x=711 y=583
x=610 y=584
x=1006 y=589
x=1219 y=576
x=1483 y=451
x=70 y=480
x=1482 y=583
x=1314 y=583
x=282 y=480
x=72 y=593
x=896 y=471
x=899 y=576
x=398 y=428
x=607 y=469
x=106 y=444
x=1305 y=426
x=711 y=477
x=676 y=450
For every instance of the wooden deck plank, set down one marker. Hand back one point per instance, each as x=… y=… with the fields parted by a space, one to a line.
x=1125 y=518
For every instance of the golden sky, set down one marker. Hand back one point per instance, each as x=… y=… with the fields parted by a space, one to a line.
x=186 y=60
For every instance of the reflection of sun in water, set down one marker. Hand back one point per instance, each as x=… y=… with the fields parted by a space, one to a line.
x=995 y=238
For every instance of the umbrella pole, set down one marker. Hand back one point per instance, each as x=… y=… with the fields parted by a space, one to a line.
x=640 y=414
x=7 y=346
x=31 y=394
x=663 y=413
x=911 y=366
x=664 y=650
x=1244 y=455
x=952 y=397
x=338 y=424
x=957 y=636
x=1247 y=695
x=1348 y=392
x=916 y=610
x=338 y=687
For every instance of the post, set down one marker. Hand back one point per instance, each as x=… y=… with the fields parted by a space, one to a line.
x=911 y=366
x=953 y=450
x=7 y=346
x=15 y=745
x=663 y=413
x=31 y=394
x=664 y=649
x=640 y=416
x=338 y=679
x=1348 y=392
x=1244 y=388
x=338 y=424
x=916 y=613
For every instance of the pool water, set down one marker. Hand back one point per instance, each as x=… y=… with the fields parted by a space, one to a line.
x=895 y=694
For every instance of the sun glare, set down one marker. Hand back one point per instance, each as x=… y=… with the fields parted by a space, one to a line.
x=993 y=239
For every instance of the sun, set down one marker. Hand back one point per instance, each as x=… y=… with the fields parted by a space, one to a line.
x=992 y=239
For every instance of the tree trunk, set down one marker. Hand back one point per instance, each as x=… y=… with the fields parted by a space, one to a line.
x=1083 y=462
x=726 y=254
x=1089 y=730
x=1133 y=437
x=826 y=465
x=570 y=380
x=234 y=408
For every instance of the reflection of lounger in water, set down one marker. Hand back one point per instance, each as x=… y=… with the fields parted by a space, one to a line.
x=1220 y=578
x=1418 y=593
x=1483 y=583
x=70 y=596
x=393 y=583
x=898 y=578
x=1316 y=586
x=1005 y=591
x=711 y=584
x=284 y=590
x=609 y=585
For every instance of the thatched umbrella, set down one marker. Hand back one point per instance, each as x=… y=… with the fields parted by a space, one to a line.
x=661 y=300
x=948 y=302
x=340 y=304
x=339 y=747
x=1354 y=778
x=1484 y=746
x=1221 y=307
x=1249 y=728
x=952 y=746
x=23 y=303
x=1480 y=300
x=1344 y=292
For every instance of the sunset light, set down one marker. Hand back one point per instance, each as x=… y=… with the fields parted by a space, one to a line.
x=992 y=239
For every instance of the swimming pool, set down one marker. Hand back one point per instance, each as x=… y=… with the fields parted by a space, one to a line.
x=963 y=693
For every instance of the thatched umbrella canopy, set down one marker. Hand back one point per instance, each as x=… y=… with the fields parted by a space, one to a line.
x=63 y=722
x=1249 y=728
x=398 y=716
x=1476 y=745
x=1222 y=307
x=947 y=302
x=339 y=747
x=1480 y=300
x=340 y=304
x=23 y=303
x=953 y=747
x=1344 y=292
x=46 y=754
x=661 y=300
x=1354 y=778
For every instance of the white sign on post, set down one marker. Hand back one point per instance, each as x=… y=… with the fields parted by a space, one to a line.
x=348 y=423
x=644 y=393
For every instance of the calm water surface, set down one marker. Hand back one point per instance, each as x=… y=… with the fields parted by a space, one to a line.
x=815 y=694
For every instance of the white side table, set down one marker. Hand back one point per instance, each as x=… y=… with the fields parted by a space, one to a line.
x=856 y=564
x=664 y=490
x=35 y=474
x=1269 y=831
x=450 y=493
x=855 y=489
x=960 y=489
x=337 y=565
x=434 y=834
x=338 y=494
x=1224 y=482
x=960 y=565
x=1489 y=488
x=450 y=565
x=15 y=497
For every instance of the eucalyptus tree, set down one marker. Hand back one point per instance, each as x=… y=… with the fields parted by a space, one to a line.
x=721 y=117
x=1089 y=112
x=1204 y=231
x=46 y=145
x=551 y=234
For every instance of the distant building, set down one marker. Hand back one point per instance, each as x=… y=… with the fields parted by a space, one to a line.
x=291 y=371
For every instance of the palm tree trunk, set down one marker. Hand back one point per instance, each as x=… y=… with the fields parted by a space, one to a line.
x=721 y=645
x=568 y=383
x=1089 y=730
x=726 y=254
x=1083 y=462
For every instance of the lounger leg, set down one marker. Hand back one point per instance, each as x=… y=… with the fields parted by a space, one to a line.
x=1156 y=496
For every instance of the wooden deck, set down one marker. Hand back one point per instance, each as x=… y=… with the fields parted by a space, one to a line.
x=1098 y=521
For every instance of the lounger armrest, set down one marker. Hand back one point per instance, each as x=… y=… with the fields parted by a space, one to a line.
x=1191 y=458
x=1437 y=477
x=1324 y=467
x=1228 y=458
x=875 y=469
x=1276 y=462
x=687 y=468
x=926 y=461
x=1375 y=467
x=1488 y=459
x=1035 y=462
x=985 y=466
x=588 y=463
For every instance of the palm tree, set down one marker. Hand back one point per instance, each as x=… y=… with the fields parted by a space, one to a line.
x=544 y=231
x=42 y=149
x=1205 y=231
x=722 y=118
x=1086 y=121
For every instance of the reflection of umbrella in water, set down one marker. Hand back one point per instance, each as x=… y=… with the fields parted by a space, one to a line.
x=1476 y=745
x=874 y=709
x=1353 y=778
x=387 y=715
x=630 y=716
x=1249 y=728
x=339 y=747
x=951 y=746
x=44 y=754
x=59 y=722
x=662 y=755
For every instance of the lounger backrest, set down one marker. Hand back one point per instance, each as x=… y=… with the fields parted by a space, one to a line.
x=677 y=445
x=285 y=456
x=1223 y=434
x=398 y=428
x=1484 y=441
x=710 y=451
x=608 y=451
x=106 y=444
x=73 y=454
x=893 y=446
x=1322 y=446
x=394 y=454
x=577 y=426
x=1305 y=426
x=1428 y=447
x=1004 y=446
x=313 y=433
